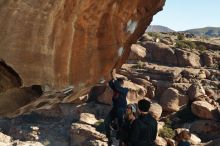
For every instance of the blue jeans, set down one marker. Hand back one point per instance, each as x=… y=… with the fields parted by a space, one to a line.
x=114 y=114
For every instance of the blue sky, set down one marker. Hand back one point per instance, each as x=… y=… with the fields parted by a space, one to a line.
x=187 y=14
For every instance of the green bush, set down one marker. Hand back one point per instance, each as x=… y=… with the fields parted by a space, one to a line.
x=181 y=44
x=180 y=37
x=201 y=47
x=167 y=131
x=154 y=34
x=191 y=45
x=185 y=44
x=168 y=122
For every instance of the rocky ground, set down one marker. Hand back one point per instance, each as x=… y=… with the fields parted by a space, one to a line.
x=178 y=73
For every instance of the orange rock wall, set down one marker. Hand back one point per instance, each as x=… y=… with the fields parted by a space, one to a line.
x=70 y=42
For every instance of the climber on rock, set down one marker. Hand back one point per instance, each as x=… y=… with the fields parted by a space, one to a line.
x=119 y=104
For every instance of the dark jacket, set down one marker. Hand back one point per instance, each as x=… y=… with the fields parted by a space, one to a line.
x=125 y=132
x=144 y=131
x=119 y=95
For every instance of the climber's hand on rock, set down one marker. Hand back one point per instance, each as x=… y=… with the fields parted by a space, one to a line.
x=113 y=73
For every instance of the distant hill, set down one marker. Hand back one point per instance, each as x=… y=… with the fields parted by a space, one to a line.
x=158 y=28
x=208 y=31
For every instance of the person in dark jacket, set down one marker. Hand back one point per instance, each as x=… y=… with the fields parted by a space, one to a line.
x=119 y=105
x=129 y=118
x=144 y=128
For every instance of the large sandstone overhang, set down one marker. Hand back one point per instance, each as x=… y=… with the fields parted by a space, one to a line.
x=64 y=43
x=70 y=42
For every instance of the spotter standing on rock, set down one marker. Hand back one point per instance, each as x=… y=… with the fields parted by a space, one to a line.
x=119 y=104
x=144 y=128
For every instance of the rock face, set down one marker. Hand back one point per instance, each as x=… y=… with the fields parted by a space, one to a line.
x=206 y=129
x=8 y=78
x=14 y=98
x=195 y=91
x=70 y=42
x=203 y=109
x=161 y=53
x=61 y=43
x=7 y=141
x=81 y=134
x=172 y=100
x=137 y=52
x=182 y=132
x=160 y=141
x=185 y=58
x=156 y=110
x=87 y=118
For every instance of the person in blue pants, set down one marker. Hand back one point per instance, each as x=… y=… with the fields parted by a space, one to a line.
x=119 y=105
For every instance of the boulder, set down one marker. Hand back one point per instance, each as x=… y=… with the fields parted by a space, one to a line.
x=162 y=86
x=185 y=58
x=87 y=118
x=150 y=89
x=202 y=75
x=160 y=53
x=207 y=59
x=190 y=73
x=166 y=41
x=25 y=132
x=80 y=100
x=136 y=92
x=214 y=142
x=5 y=138
x=96 y=91
x=106 y=96
x=211 y=93
x=26 y=143
x=137 y=52
x=194 y=140
x=15 y=98
x=155 y=110
x=206 y=129
x=99 y=110
x=7 y=141
x=162 y=72
x=171 y=100
x=171 y=142
x=80 y=134
x=203 y=109
x=160 y=141
x=196 y=91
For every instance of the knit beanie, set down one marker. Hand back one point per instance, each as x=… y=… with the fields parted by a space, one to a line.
x=132 y=107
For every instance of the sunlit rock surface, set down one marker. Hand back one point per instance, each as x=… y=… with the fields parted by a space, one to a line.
x=70 y=42
x=59 y=43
